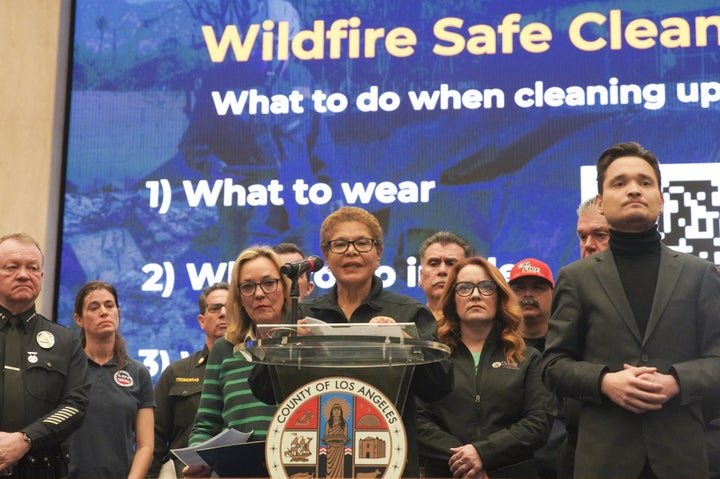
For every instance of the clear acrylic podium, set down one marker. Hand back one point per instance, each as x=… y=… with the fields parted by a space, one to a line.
x=381 y=354
x=361 y=368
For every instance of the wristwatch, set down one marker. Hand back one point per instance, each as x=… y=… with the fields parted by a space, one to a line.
x=27 y=439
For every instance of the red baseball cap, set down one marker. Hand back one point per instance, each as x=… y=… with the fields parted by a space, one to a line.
x=531 y=267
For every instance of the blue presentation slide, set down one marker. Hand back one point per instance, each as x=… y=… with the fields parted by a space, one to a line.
x=197 y=128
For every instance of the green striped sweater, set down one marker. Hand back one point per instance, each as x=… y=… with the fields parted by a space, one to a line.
x=226 y=399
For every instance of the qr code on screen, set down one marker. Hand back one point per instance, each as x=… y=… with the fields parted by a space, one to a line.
x=690 y=221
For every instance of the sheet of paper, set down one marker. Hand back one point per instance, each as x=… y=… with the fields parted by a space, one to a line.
x=189 y=455
x=319 y=327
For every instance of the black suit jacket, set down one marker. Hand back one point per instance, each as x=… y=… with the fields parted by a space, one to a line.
x=593 y=331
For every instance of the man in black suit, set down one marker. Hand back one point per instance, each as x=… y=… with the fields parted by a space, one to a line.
x=635 y=336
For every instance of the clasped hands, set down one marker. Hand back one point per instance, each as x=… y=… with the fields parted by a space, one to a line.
x=465 y=463
x=639 y=389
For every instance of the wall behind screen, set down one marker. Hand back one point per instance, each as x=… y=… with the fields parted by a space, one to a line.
x=30 y=122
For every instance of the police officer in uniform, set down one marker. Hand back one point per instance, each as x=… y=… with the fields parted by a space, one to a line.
x=44 y=375
x=177 y=393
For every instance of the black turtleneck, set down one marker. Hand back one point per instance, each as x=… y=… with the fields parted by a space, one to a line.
x=637 y=256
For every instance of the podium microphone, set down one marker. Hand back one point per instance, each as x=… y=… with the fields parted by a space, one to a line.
x=294 y=269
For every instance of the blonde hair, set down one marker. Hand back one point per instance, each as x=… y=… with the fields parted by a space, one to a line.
x=239 y=324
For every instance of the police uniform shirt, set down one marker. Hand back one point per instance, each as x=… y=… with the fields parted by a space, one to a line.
x=55 y=387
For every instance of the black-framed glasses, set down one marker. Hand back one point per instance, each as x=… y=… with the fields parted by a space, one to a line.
x=267 y=286
x=361 y=245
x=466 y=288
x=214 y=307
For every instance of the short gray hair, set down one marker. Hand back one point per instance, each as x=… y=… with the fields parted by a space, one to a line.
x=586 y=206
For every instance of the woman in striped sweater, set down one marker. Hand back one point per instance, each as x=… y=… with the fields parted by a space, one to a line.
x=258 y=294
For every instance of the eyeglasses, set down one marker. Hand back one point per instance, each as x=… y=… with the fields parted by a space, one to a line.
x=361 y=245
x=267 y=286
x=214 y=307
x=466 y=288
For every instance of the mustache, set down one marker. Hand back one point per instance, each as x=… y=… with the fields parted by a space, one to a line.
x=528 y=301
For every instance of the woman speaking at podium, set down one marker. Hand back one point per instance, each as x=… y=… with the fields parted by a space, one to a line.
x=258 y=294
x=352 y=243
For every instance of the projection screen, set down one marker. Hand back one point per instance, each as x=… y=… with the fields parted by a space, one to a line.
x=197 y=128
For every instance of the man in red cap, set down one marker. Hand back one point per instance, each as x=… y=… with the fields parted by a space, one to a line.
x=532 y=282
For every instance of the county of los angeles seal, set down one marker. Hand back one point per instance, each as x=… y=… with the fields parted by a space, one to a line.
x=336 y=427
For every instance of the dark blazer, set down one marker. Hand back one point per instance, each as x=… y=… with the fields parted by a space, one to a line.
x=593 y=331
